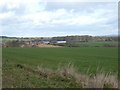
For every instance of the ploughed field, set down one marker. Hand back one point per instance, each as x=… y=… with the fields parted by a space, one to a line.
x=88 y=60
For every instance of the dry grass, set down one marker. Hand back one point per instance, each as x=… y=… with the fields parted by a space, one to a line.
x=103 y=80
x=100 y=80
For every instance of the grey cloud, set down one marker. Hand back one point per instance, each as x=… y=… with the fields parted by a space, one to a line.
x=15 y=26
x=12 y=21
x=18 y=10
x=78 y=6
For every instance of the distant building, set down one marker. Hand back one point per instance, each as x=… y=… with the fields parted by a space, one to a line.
x=61 y=41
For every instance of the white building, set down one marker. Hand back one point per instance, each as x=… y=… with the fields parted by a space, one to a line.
x=61 y=41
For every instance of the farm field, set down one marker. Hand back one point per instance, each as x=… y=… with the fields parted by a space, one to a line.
x=91 y=44
x=7 y=39
x=84 y=59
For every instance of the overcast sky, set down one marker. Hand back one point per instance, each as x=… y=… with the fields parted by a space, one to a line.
x=38 y=18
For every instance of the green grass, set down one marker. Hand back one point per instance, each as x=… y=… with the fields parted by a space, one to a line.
x=99 y=43
x=7 y=39
x=64 y=77
x=82 y=58
x=90 y=44
x=22 y=78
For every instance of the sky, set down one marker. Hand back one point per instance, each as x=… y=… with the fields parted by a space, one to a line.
x=42 y=18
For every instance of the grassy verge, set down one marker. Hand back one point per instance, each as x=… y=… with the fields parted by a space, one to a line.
x=23 y=76
x=22 y=67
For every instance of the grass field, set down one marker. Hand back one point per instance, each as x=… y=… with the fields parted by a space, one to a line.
x=7 y=39
x=90 y=44
x=83 y=59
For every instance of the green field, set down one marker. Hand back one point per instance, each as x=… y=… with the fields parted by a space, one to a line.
x=84 y=58
x=7 y=39
x=90 y=44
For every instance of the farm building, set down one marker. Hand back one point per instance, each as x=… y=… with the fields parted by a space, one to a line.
x=61 y=41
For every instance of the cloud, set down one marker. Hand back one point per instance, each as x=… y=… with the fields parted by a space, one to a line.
x=37 y=17
x=62 y=16
x=6 y=15
x=82 y=0
x=30 y=6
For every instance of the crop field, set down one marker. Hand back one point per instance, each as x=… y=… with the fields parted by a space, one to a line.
x=85 y=59
x=91 y=44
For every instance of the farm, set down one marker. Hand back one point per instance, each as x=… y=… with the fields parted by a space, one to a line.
x=22 y=66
